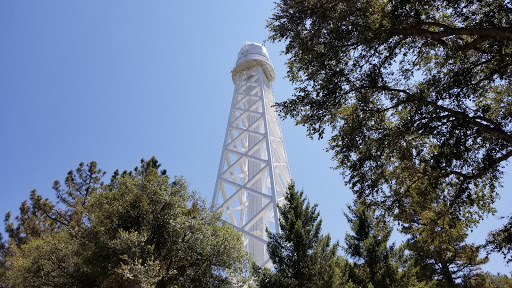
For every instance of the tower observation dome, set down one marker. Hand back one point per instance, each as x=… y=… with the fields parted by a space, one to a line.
x=253 y=172
x=250 y=55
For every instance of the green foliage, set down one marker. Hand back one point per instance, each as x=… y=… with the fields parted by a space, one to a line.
x=438 y=242
x=302 y=257
x=2 y=257
x=52 y=261
x=500 y=241
x=41 y=217
x=375 y=263
x=33 y=221
x=79 y=185
x=416 y=97
x=141 y=230
x=368 y=247
x=488 y=280
x=417 y=94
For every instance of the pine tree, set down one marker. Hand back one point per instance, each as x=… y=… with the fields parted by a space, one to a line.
x=301 y=255
x=376 y=264
x=438 y=240
x=368 y=246
x=2 y=258
x=500 y=240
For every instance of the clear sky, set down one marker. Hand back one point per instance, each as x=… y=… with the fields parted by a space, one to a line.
x=117 y=81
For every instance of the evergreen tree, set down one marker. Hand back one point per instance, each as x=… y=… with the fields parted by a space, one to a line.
x=500 y=241
x=141 y=230
x=79 y=185
x=2 y=258
x=487 y=280
x=437 y=239
x=417 y=94
x=377 y=264
x=42 y=217
x=301 y=255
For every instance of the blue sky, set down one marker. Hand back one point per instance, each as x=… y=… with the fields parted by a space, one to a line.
x=117 y=81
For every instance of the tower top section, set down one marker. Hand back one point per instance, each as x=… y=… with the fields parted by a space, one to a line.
x=251 y=55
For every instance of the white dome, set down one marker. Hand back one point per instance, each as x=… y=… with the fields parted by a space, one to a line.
x=253 y=54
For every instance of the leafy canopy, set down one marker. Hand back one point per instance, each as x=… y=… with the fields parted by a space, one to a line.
x=143 y=229
x=417 y=94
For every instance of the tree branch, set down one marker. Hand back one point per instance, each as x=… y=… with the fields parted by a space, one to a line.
x=491 y=33
x=481 y=172
x=494 y=130
x=435 y=24
x=473 y=44
x=497 y=132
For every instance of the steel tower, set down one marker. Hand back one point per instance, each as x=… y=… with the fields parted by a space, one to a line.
x=253 y=170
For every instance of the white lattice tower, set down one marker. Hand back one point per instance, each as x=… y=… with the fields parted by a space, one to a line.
x=253 y=171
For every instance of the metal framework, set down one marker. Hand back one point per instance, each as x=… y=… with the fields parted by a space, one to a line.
x=253 y=170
